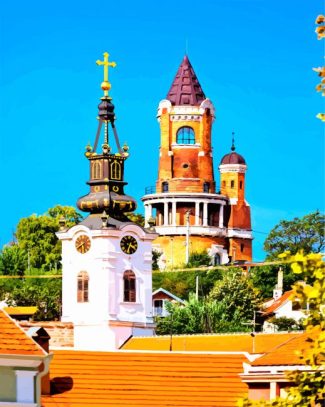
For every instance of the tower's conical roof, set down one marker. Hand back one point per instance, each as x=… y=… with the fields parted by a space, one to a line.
x=185 y=89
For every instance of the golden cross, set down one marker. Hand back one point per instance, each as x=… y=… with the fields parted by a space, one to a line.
x=106 y=85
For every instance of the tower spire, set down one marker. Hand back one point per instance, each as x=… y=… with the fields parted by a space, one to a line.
x=233 y=148
x=106 y=168
x=185 y=89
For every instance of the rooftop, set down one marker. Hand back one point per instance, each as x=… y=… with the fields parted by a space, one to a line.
x=81 y=378
x=278 y=303
x=260 y=343
x=185 y=89
x=287 y=353
x=13 y=339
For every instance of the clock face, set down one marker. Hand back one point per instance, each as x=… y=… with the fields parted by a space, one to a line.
x=129 y=244
x=83 y=244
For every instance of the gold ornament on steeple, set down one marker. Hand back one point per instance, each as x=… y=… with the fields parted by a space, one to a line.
x=105 y=85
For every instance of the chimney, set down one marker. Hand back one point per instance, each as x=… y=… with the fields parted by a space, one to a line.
x=42 y=338
x=278 y=291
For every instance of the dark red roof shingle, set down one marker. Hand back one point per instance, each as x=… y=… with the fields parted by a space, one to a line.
x=185 y=89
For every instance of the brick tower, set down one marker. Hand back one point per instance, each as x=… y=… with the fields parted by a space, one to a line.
x=190 y=214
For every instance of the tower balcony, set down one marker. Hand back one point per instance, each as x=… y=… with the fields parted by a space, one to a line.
x=174 y=211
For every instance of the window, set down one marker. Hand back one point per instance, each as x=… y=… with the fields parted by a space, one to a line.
x=206 y=187
x=241 y=184
x=216 y=259
x=242 y=246
x=232 y=184
x=97 y=170
x=82 y=291
x=185 y=135
x=129 y=286
x=158 y=307
x=115 y=170
x=165 y=186
x=224 y=184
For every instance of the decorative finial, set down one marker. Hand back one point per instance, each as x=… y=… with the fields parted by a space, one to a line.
x=105 y=85
x=233 y=142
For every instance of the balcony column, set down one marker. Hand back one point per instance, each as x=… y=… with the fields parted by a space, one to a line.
x=221 y=216
x=165 y=213
x=174 y=213
x=197 y=213
x=147 y=213
x=205 y=214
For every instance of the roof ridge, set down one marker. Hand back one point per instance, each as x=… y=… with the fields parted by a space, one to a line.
x=221 y=334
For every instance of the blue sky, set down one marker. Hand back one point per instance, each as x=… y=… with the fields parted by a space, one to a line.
x=253 y=58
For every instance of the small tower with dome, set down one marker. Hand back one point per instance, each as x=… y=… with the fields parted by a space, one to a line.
x=232 y=170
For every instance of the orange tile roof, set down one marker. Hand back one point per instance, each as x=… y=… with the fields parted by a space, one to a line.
x=20 y=310
x=214 y=342
x=278 y=303
x=14 y=341
x=287 y=353
x=137 y=379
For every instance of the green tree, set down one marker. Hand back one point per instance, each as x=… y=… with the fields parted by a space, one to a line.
x=155 y=259
x=182 y=283
x=309 y=385
x=306 y=234
x=13 y=260
x=239 y=297
x=36 y=236
x=45 y=294
x=286 y=324
x=228 y=308
x=197 y=259
x=199 y=316
x=264 y=278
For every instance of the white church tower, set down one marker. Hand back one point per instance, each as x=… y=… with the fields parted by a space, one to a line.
x=106 y=259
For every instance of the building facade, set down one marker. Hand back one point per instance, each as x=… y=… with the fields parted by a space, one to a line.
x=190 y=211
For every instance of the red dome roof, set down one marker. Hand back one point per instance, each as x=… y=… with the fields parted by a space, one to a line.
x=233 y=158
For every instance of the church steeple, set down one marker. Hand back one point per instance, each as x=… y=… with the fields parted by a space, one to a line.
x=185 y=89
x=106 y=168
x=106 y=258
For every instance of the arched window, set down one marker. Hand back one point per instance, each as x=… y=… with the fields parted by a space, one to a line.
x=82 y=289
x=165 y=186
x=129 y=286
x=185 y=135
x=97 y=170
x=232 y=184
x=115 y=170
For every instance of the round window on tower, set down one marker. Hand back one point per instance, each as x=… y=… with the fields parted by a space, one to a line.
x=185 y=165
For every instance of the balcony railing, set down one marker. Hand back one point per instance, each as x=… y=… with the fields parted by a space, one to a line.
x=152 y=190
